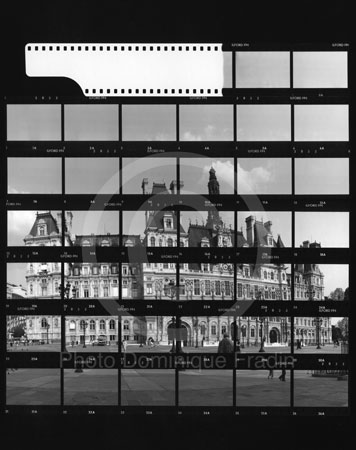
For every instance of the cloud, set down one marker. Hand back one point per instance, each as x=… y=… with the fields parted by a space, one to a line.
x=19 y=225
x=12 y=190
x=252 y=181
x=224 y=173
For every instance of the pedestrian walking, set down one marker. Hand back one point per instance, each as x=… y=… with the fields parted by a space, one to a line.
x=238 y=346
x=270 y=374
x=283 y=375
x=226 y=345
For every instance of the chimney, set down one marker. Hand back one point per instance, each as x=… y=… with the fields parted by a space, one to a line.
x=173 y=186
x=250 y=222
x=306 y=244
x=59 y=222
x=268 y=226
x=69 y=220
x=144 y=185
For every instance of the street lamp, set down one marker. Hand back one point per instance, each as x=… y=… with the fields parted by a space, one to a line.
x=83 y=325
x=47 y=326
x=196 y=326
x=261 y=320
x=317 y=322
x=66 y=291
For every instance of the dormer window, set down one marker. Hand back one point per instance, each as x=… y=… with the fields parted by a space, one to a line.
x=168 y=223
x=270 y=240
x=41 y=231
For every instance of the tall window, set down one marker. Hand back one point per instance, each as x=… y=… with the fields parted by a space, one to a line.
x=114 y=270
x=112 y=324
x=44 y=323
x=106 y=291
x=217 y=287
x=265 y=275
x=213 y=329
x=207 y=287
x=102 y=325
x=227 y=288
x=96 y=291
x=239 y=290
x=170 y=242
x=152 y=241
x=86 y=292
x=92 y=325
x=31 y=288
x=126 y=325
x=196 y=287
x=149 y=289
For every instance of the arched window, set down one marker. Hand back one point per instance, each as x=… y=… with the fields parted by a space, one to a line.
x=31 y=288
x=213 y=329
x=44 y=323
x=169 y=242
x=265 y=275
x=82 y=324
x=223 y=328
x=283 y=276
x=56 y=322
x=72 y=325
x=102 y=325
x=92 y=325
x=272 y=276
x=112 y=324
x=153 y=241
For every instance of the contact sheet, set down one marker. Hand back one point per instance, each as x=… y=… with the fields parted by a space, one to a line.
x=178 y=235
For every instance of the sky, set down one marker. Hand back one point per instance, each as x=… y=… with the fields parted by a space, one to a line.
x=281 y=223
x=262 y=70
x=206 y=123
x=194 y=172
x=133 y=222
x=23 y=175
x=330 y=229
x=156 y=169
x=335 y=275
x=91 y=122
x=19 y=224
x=34 y=122
x=311 y=173
x=97 y=222
x=321 y=122
x=92 y=175
x=149 y=122
x=320 y=69
x=263 y=122
x=264 y=176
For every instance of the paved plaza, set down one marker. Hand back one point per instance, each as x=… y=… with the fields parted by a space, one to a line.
x=157 y=388
x=135 y=348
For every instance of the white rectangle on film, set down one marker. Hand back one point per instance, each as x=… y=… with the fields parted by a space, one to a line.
x=113 y=70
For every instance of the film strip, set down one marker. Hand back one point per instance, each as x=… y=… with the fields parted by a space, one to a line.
x=144 y=288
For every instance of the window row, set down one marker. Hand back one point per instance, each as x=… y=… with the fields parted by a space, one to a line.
x=158 y=281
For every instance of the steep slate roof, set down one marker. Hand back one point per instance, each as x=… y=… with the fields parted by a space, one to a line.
x=159 y=188
x=196 y=233
x=241 y=241
x=260 y=236
x=155 y=220
x=49 y=221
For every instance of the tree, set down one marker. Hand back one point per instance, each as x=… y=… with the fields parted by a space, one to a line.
x=343 y=326
x=346 y=294
x=18 y=331
x=337 y=294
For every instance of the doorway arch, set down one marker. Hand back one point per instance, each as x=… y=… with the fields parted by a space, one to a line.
x=274 y=336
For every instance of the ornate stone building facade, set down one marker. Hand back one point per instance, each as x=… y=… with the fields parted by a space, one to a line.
x=157 y=281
